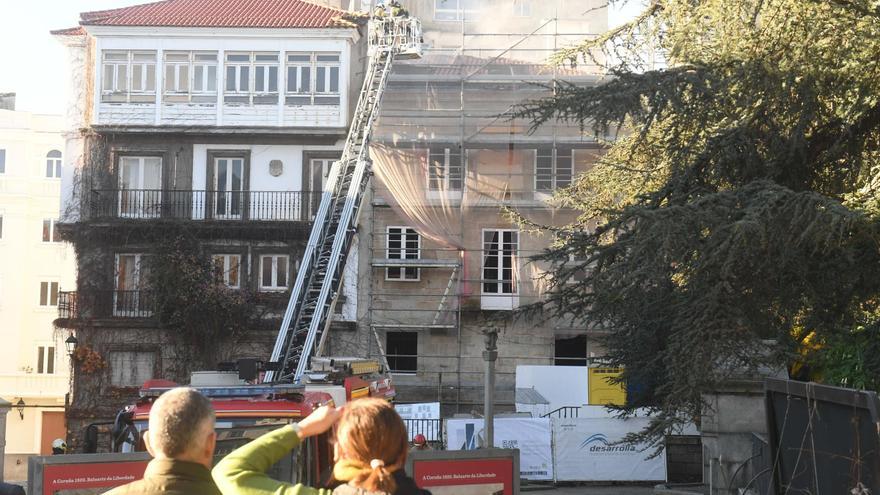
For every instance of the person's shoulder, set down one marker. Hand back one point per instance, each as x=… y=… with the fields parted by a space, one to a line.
x=407 y=486
x=132 y=488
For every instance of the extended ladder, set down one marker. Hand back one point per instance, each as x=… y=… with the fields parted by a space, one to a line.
x=318 y=280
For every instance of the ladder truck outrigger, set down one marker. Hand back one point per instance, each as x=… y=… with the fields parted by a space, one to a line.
x=297 y=378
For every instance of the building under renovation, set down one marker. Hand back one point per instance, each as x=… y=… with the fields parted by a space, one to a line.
x=204 y=138
x=440 y=261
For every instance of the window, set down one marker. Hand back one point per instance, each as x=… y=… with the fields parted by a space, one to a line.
x=132 y=295
x=522 y=8
x=227 y=269
x=2 y=161
x=403 y=243
x=444 y=169
x=140 y=186
x=402 y=351
x=50 y=230
x=313 y=79
x=128 y=76
x=131 y=368
x=190 y=77
x=273 y=272
x=45 y=360
x=553 y=169
x=456 y=10
x=570 y=351
x=228 y=184
x=48 y=293
x=499 y=261
x=53 y=164
x=251 y=78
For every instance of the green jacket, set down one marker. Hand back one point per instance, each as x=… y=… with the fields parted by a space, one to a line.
x=243 y=472
x=167 y=476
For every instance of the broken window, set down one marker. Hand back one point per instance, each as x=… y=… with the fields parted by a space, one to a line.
x=570 y=351
x=131 y=368
x=402 y=351
x=403 y=243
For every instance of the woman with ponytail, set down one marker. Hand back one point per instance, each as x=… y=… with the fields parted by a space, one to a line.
x=371 y=447
x=370 y=451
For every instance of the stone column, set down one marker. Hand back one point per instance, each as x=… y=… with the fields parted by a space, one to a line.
x=5 y=405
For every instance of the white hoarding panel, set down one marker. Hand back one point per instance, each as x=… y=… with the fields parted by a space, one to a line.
x=530 y=435
x=585 y=450
x=421 y=418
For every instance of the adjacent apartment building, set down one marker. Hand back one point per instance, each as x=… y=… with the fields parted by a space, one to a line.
x=211 y=123
x=36 y=267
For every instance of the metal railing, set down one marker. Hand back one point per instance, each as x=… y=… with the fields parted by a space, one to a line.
x=563 y=412
x=432 y=429
x=105 y=304
x=149 y=204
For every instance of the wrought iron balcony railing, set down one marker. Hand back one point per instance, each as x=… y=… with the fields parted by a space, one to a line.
x=105 y=304
x=147 y=204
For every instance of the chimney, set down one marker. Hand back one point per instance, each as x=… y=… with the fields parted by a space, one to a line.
x=7 y=101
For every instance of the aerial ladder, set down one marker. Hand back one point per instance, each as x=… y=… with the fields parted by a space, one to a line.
x=309 y=312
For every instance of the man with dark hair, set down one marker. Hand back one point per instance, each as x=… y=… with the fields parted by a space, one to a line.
x=181 y=439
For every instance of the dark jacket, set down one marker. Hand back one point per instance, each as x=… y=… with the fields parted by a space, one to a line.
x=167 y=476
x=405 y=486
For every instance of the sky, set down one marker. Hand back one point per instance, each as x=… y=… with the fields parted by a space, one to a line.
x=34 y=64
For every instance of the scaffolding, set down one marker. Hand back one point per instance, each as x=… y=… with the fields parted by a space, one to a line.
x=449 y=158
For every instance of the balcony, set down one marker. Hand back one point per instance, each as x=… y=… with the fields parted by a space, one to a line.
x=105 y=304
x=34 y=385
x=154 y=204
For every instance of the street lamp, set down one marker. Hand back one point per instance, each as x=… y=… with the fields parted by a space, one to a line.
x=19 y=406
x=71 y=343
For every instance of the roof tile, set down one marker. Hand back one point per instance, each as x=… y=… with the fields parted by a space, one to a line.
x=224 y=13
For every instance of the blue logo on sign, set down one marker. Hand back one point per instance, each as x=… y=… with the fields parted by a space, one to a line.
x=597 y=438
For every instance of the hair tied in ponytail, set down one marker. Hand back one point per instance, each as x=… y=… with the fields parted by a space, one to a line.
x=377 y=463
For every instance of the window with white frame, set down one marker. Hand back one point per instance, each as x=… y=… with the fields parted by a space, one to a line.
x=500 y=247
x=313 y=79
x=456 y=10
x=402 y=243
x=553 y=169
x=227 y=269
x=251 y=78
x=190 y=77
x=128 y=76
x=132 y=295
x=45 y=360
x=522 y=8
x=273 y=272
x=53 y=164
x=131 y=368
x=444 y=169
x=48 y=293
x=50 y=230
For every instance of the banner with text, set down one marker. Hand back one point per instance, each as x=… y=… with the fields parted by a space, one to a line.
x=585 y=449
x=530 y=435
